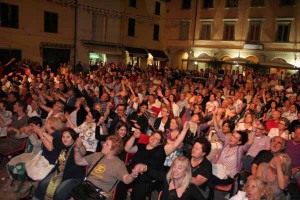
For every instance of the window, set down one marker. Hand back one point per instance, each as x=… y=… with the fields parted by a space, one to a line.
x=229 y=31
x=132 y=3
x=7 y=54
x=156 y=32
x=208 y=3
x=257 y=3
x=131 y=27
x=205 y=33
x=283 y=31
x=9 y=15
x=186 y=4
x=157 y=8
x=287 y=2
x=50 y=22
x=254 y=31
x=184 y=30
x=231 y=3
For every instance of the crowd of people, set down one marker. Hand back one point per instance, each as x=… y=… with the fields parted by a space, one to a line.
x=150 y=129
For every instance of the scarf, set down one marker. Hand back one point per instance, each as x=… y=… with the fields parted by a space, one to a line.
x=58 y=174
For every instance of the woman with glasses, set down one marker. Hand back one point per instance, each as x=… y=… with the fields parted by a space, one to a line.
x=282 y=130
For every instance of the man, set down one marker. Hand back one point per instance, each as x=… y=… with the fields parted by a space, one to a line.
x=277 y=146
x=293 y=150
x=261 y=142
x=273 y=123
x=291 y=114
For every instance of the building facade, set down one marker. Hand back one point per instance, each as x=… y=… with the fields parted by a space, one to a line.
x=58 y=31
x=37 y=30
x=244 y=32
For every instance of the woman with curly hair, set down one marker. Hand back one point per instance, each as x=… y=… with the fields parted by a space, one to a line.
x=255 y=189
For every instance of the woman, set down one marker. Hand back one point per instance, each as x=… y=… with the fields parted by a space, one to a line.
x=239 y=82
x=16 y=166
x=66 y=174
x=271 y=107
x=153 y=154
x=276 y=173
x=50 y=136
x=162 y=123
x=176 y=184
x=110 y=169
x=246 y=125
x=172 y=133
x=254 y=189
x=138 y=119
x=174 y=107
x=122 y=131
x=87 y=130
x=282 y=129
x=201 y=166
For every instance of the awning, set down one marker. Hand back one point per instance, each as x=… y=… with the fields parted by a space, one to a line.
x=56 y=45
x=102 y=47
x=137 y=52
x=280 y=65
x=158 y=55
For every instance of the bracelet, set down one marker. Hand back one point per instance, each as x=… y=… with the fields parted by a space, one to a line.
x=133 y=176
x=76 y=149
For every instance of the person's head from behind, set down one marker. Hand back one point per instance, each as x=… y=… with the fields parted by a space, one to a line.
x=122 y=129
x=201 y=148
x=68 y=137
x=256 y=188
x=37 y=121
x=238 y=138
x=53 y=124
x=113 y=145
x=180 y=170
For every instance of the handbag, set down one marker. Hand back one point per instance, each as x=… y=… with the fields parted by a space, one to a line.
x=39 y=167
x=88 y=191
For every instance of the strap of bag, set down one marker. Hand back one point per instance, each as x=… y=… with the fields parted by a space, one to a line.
x=94 y=166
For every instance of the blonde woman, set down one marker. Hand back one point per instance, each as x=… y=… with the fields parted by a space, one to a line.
x=276 y=173
x=254 y=189
x=177 y=181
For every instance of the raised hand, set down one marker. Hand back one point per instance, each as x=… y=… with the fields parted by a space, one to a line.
x=137 y=133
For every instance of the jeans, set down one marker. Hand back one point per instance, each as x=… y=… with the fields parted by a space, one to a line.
x=62 y=192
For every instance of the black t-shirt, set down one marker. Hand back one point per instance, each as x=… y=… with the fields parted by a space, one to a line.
x=51 y=156
x=153 y=158
x=72 y=170
x=191 y=193
x=204 y=169
x=263 y=156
